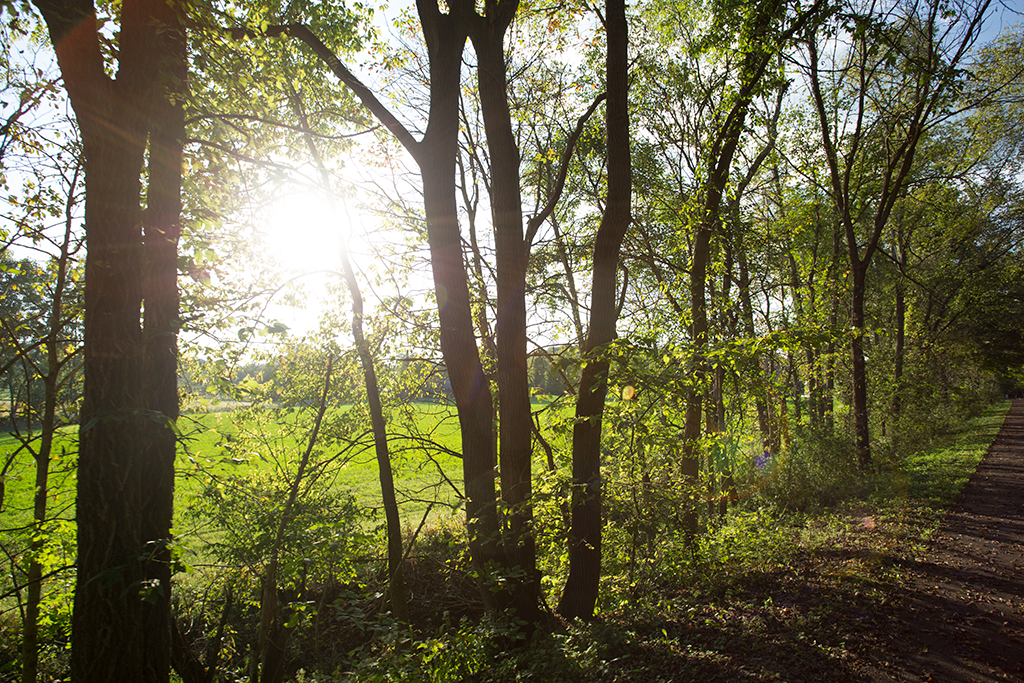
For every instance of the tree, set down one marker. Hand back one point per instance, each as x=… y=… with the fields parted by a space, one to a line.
x=445 y=34
x=57 y=372
x=126 y=454
x=396 y=579
x=898 y=75
x=581 y=589
x=40 y=325
x=501 y=540
x=716 y=106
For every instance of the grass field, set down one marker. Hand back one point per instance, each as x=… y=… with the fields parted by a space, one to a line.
x=234 y=448
x=423 y=440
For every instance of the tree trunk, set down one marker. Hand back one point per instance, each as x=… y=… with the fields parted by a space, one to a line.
x=901 y=329
x=581 y=589
x=396 y=579
x=107 y=635
x=445 y=35
x=162 y=229
x=120 y=623
x=860 y=371
x=514 y=415
x=396 y=576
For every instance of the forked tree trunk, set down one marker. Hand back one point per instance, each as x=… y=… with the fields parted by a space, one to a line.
x=120 y=622
x=514 y=414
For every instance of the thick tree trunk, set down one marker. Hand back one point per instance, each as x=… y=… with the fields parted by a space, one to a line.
x=124 y=477
x=107 y=636
x=161 y=322
x=581 y=589
x=445 y=35
x=470 y=387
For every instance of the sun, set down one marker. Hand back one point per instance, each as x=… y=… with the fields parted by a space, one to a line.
x=305 y=232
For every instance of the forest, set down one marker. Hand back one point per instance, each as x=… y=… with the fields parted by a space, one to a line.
x=493 y=340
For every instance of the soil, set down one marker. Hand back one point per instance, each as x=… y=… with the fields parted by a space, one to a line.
x=961 y=613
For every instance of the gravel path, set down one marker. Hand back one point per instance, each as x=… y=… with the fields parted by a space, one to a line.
x=962 y=617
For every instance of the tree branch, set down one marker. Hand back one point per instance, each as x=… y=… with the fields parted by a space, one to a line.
x=326 y=55
x=534 y=223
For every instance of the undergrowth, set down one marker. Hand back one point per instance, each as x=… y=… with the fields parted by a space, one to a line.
x=788 y=584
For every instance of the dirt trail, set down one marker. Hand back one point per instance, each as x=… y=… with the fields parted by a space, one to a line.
x=962 y=617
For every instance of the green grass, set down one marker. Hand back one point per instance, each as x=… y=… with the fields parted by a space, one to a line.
x=423 y=441
x=939 y=475
x=813 y=585
x=19 y=481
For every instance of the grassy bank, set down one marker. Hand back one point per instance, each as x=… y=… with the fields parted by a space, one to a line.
x=769 y=594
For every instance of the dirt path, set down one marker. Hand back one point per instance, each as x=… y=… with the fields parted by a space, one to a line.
x=962 y=618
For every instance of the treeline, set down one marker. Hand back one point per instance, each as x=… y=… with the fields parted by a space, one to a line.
x=725 y=240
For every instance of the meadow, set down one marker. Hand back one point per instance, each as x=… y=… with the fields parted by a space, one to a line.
x=225 y=442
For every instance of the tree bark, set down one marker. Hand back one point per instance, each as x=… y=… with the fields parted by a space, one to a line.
x=514 y=415
x=581 y=589
x=446 y=35
x=120 y=622
x=862 y=432
x=162 y=229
